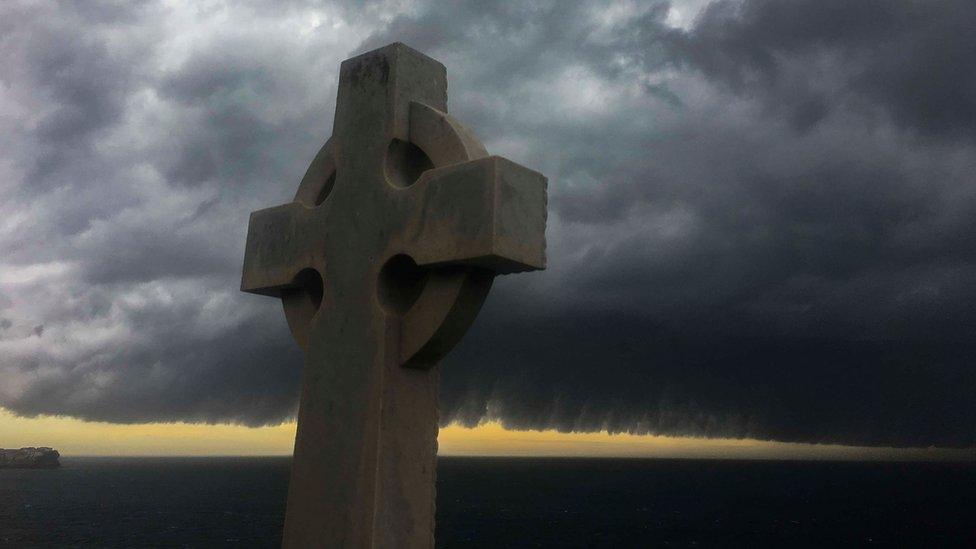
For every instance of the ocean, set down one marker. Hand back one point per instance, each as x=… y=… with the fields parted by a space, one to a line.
x=510 y=502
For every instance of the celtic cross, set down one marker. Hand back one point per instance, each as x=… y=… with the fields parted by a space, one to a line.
x=382 y=262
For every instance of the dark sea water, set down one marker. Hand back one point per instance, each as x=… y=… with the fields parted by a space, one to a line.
x=498 y=502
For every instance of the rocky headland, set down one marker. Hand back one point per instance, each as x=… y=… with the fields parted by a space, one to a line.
x=30 y=458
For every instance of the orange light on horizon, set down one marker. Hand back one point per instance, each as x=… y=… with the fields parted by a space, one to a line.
x=74 y=437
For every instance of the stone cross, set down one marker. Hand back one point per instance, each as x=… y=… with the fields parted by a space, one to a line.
x=382 y=262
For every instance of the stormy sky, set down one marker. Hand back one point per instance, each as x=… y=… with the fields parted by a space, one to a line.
x=762 y=212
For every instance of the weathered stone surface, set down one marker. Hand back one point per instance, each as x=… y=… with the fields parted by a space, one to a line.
x=382 y=262
x=30 y=458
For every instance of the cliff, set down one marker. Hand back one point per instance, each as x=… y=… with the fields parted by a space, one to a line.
x=29 y=458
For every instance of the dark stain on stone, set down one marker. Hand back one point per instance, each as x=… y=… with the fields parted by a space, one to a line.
x=368 y=68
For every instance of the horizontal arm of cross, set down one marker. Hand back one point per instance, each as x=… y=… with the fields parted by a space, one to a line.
x=280 y=242
x=489 y=213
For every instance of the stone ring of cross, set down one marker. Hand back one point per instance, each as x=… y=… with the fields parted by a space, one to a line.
x=406 y=187
x=434 y=306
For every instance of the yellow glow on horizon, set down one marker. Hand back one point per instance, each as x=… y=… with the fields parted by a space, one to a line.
x=493 y=439
x=74 y=437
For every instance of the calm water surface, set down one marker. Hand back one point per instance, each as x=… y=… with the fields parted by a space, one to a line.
x=500 y=502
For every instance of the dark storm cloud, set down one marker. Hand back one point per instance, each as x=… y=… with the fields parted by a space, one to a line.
x=910 y=60
x=761 y=218
x=785 y=258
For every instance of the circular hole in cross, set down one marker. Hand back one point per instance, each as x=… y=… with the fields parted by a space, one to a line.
x=405 y=162
x=325 y=190
x=400 y=284
x=308 y=282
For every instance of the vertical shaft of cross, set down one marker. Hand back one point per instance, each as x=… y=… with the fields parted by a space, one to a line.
x=365 y=452
x=407 y=468
x=332 y=489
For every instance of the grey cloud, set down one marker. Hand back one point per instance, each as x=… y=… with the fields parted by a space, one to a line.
x=172 y=368
x=760 y=224
x=908 y=59
x=82 y=81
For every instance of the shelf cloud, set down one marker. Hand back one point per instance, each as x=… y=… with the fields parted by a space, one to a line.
x=761 y=224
